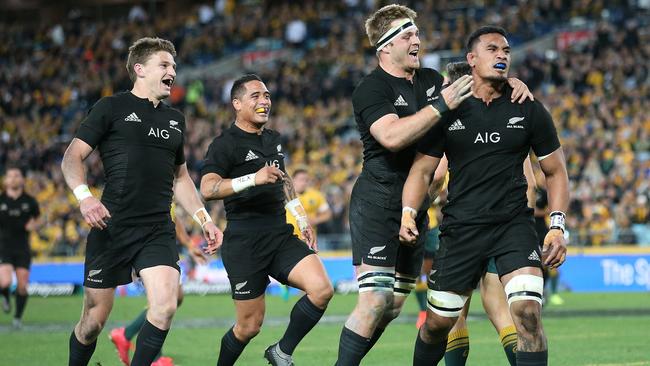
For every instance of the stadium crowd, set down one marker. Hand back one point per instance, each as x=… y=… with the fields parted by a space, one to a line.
x=597 y=91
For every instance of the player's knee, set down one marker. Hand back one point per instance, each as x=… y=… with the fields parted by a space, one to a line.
x=320 y=293
x=527 y=315
x=89 y=328
x=376 y=304
x=524 y=294
x=163 y=313
x=324 y=295
x=376 y=287
x=401 y=289
x=392 y=313
x=437 y=327
x=250 y=328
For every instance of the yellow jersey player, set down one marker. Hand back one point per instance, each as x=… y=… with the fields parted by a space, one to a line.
x=314 y=202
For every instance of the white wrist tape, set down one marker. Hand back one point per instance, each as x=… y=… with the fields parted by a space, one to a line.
x=243 y=182
x=82 y=192
x=202 y=217
x=410 y=210
x=558 y=219
x=295 y=207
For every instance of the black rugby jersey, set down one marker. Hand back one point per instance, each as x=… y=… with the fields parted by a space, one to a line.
x=486 y=146
x=14 y=215
x=378 y=94
x=140 y=147
x=236 y=153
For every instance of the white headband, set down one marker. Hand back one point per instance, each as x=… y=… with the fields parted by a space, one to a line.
x=392 y=33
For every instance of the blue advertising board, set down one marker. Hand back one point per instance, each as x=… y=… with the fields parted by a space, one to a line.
x=606 y=272
x=582 y=272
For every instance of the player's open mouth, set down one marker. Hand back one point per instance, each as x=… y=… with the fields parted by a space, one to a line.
x=414 y=53
x=168 y=82
x=500 y=66
x=263 y=111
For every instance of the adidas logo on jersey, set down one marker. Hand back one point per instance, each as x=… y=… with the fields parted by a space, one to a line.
x=400 y=102
x=132 y=118
x=251 y=156
x=457 y=125
x=534 y=256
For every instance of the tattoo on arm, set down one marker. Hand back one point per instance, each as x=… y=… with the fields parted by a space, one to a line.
x=289 y=191
x=215 y=187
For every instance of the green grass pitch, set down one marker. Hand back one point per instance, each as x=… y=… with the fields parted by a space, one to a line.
x=589 y=329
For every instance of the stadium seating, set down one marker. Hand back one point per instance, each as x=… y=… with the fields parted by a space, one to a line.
x=596 y=87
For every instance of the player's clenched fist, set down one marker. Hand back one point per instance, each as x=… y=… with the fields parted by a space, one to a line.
x=457 y=92
x=268 y=175
x=554 y=250
x=94 y=212
x=408 y=231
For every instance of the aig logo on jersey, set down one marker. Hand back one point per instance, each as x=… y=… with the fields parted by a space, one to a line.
x=160 y=133
x=274 y=163
x=487 y=137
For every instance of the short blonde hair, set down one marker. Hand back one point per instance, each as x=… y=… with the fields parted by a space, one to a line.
x=143 y=48
x=379 y=22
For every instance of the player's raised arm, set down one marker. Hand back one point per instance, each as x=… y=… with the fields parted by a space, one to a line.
x=415 y=188
x=93 y=211
x=396 y=133
x=557 y=185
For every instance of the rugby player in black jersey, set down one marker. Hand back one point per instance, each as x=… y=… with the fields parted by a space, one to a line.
x=140 y=141
x=18 y=216
x=394 y=106
x=245 y=167
x=486 y=141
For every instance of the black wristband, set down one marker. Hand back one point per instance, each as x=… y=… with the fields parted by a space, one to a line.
x=440 y=105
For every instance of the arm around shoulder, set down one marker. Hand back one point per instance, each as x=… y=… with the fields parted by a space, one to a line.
x=396 y=133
